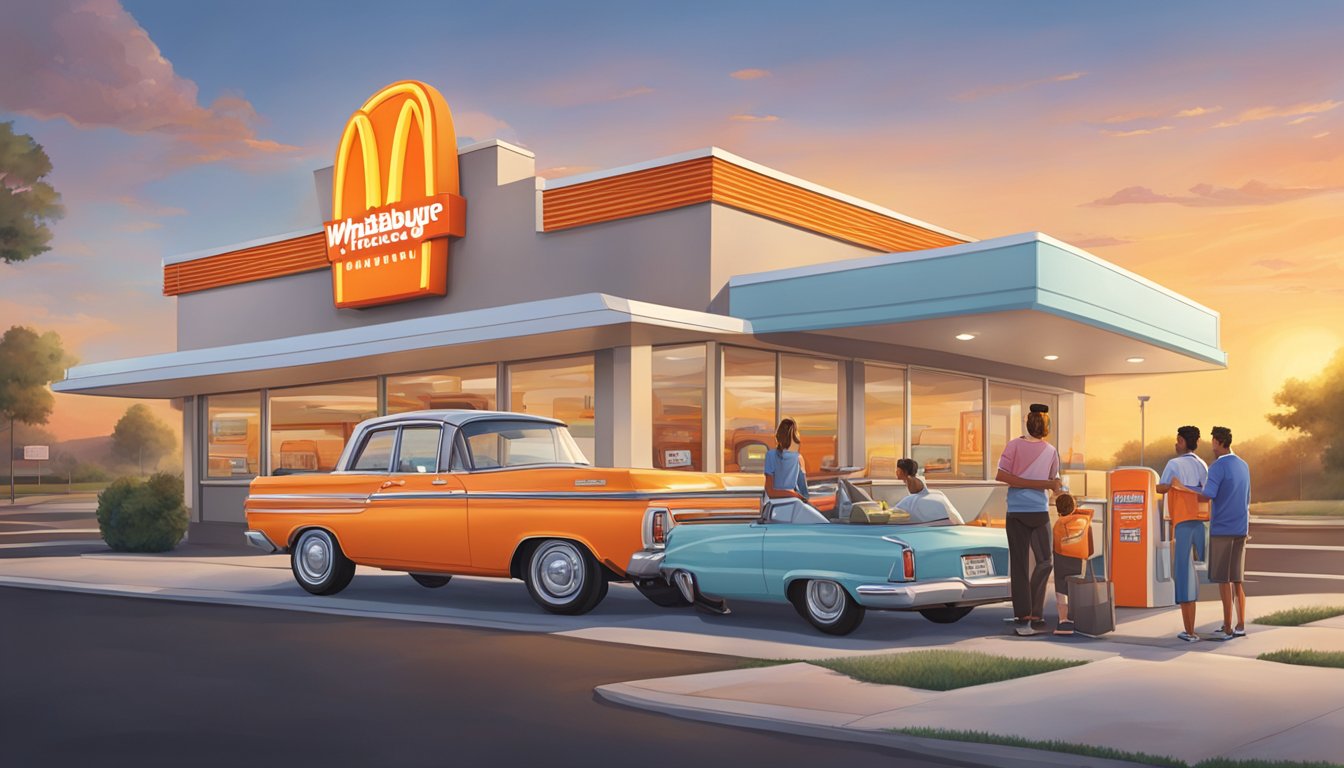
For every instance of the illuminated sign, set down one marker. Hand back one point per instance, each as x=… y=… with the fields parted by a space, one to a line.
x=394 y=199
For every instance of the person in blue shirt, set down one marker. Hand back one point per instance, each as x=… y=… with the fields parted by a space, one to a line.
x=1189 y=471
x=785 y=473
x=1228 y=491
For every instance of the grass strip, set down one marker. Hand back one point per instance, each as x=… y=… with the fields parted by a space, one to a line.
x=981 y=737
x=1306 y=658
x=941 y=670
x=1294 y=617
x=1310 y=508
x=1087 y=750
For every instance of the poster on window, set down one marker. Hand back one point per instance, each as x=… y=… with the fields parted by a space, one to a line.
x=970 y=440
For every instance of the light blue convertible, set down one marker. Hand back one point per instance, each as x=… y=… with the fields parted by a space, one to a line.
x=831 y=570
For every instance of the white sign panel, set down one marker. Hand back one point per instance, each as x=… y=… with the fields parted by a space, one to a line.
x=36 y=453
x=676 y=459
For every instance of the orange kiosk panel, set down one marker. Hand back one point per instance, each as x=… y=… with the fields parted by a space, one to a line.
x=1140 y=551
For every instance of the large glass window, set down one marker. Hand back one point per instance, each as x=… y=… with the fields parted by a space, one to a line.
x=1008 y=409
x=233 y=435
x=561 y=389
x=947 y=424
x=679 y=407
x=810 y=395
x=310 y=425
x=748 y=408
x=883 y=419
x=471 y=388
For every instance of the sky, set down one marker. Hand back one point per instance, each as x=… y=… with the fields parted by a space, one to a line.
x=1200 y=144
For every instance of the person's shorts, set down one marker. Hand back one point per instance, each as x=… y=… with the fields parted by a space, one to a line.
x=1189 y=548
x=1065 y=567
x=1227 y=559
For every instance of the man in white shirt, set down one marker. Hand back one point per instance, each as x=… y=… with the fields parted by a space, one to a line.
x=1190 y=471
x=922 y=504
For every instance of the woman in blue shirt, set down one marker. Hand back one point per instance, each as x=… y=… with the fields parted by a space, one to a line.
x=785 y=474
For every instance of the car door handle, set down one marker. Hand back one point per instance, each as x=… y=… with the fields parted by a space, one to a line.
x=390 y=483
x=438 y=481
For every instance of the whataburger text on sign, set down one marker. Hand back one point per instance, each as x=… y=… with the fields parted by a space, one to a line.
x=394 y=199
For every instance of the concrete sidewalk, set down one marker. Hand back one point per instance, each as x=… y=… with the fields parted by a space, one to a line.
x=1145 y=690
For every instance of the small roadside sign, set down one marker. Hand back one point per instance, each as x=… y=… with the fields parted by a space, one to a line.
x=36 y=453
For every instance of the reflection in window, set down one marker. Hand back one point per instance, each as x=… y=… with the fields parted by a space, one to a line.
x=1009 y=406
x=233 y=435
x=419 y=449
x=495 y=444
x=310 y=425
x=947 y=425
x=748 y=408
x=679 y=407
x=810 y=395
x=471 y=388
x=376 y=453
x=883 y=419
x=561 y=389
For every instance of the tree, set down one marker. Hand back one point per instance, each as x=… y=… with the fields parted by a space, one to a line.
x=28 y=363
x=1316 y=408
x=27 y=204
x=140 y=435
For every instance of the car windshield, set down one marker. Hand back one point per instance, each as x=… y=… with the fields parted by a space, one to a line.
x=495 y=444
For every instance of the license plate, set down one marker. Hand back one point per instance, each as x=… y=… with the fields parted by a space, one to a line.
x=976 y=566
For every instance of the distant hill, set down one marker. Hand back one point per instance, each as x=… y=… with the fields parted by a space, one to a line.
x=93 y=450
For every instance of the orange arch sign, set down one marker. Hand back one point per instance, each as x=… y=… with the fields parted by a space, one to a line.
x=394 y=199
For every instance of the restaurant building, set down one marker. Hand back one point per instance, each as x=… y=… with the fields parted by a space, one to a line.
x=670 y=311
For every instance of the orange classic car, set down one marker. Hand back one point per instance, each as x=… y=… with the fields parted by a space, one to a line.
x=483 y=493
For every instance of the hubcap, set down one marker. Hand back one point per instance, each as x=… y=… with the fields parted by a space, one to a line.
x=557 y=571
x=825 y=600
x=314 y=557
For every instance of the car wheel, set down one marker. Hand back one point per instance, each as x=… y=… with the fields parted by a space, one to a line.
x=318 y=563
x=829 y=607
x=563 y=578
x=661 y=593
x=948 y=614
x=430 y=581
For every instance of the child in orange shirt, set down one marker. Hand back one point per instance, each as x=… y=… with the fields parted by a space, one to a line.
x=1073 y=546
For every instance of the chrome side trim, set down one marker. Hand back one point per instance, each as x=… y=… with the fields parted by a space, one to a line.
x=307 y=511
x=613 y=495
x=302 y=496
x=418 y=495
x=260 y=541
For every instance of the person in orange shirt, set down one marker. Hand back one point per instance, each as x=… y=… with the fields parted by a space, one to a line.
x=1073 y=547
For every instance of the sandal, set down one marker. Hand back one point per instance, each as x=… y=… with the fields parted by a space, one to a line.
x=1064 y=629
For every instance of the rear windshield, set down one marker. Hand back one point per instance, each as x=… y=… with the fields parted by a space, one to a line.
x=494 y=444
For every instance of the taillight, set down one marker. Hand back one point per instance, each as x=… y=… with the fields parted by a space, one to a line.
x=659 y=527
x=908 y=557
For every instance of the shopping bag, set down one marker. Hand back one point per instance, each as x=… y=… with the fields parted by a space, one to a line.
x=1091 y=603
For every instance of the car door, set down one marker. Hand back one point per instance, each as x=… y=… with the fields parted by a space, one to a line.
x=728 y=560
x=419 y=513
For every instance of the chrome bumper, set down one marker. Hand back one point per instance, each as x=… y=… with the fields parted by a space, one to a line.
x=923 y=594
x=645 y=564
x=260 y=541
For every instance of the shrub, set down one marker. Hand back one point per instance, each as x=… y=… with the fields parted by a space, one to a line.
x=136 y=516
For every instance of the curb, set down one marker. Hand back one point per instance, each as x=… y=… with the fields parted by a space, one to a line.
x=990 y=755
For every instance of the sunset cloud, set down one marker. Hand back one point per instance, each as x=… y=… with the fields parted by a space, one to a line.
x=1102 y=241
x=1198 y=111
x=1265 y=113
x=90 y=63
x=642 y=90
x=754 y=118
x=998 y=90
x=1136 y=132
x=1277 y=265
x=1207 y=195
x=146 y=208
x=1302 y=119
x=750 y=74
x=479 y=126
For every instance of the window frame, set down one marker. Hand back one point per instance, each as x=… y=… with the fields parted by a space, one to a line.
x=438 y=455
x=364 y=439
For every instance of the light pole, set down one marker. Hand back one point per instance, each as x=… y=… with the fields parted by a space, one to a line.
x=1143 y=440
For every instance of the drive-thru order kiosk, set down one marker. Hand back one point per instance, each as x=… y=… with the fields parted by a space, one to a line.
x=1140 y=548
